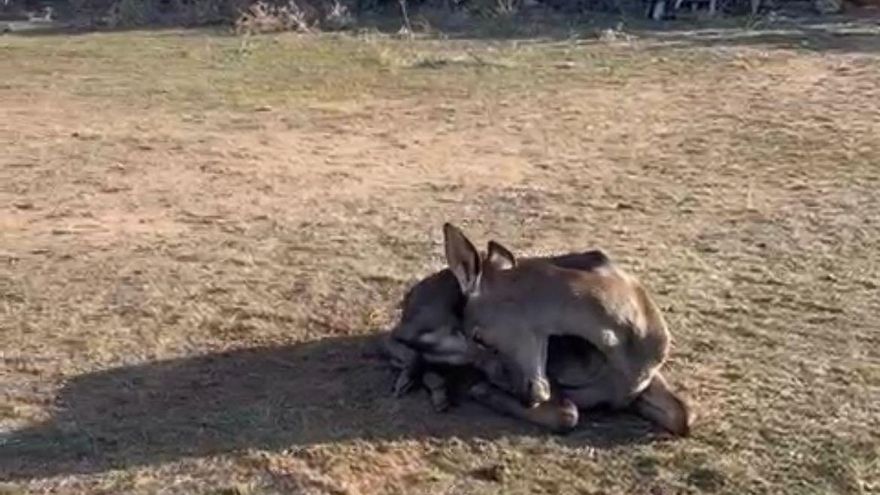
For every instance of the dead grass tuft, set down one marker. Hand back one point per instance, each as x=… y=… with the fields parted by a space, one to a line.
x=261 y=17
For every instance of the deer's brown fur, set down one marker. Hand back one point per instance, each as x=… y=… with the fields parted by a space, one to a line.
x=513 y=307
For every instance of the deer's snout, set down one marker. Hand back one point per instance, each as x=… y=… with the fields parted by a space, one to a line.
x=538 y=391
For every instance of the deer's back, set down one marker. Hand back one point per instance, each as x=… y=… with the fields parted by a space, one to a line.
x=566 y=301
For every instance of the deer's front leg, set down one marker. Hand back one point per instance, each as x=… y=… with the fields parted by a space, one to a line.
x=407 y=360
x=412 y=371
x=559 y=415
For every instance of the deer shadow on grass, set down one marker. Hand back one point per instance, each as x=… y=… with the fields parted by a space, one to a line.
x=334 y=389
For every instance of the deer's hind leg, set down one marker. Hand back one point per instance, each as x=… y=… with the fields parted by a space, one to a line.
x=664 y=407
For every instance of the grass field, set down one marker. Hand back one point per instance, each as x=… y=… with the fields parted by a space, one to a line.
x=201 y=235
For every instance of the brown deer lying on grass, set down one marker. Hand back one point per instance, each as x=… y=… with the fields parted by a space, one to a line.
x=428 y=346
x=558 y=333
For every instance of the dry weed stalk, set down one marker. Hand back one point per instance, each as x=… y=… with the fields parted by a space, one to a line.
x=261 y=17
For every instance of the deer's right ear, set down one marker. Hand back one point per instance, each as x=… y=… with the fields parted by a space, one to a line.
x=499 y=256
x=463 y=259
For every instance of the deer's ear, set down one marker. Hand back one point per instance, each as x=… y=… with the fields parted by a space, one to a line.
x=463 y=259
x=500 y=257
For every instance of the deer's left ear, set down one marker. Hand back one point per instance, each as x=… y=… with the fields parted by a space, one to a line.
x=499 y=256
x=463 y=259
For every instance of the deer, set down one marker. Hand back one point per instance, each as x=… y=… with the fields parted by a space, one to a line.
x=428 y=347
x=513 y=306
x=576 y=321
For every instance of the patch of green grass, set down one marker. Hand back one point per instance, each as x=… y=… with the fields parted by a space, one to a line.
x=6 y=489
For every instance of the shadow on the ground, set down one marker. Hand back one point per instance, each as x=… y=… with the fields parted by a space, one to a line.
x=843 y=35
x=335 y=389
x=858 y=32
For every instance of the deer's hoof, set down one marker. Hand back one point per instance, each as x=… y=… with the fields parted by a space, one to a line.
x=440 y=401
x=568 y=416
x=403 y=384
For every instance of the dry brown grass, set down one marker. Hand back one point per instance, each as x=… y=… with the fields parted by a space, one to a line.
x=199 y=235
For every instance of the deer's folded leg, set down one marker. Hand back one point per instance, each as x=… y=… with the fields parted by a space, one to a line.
x=438 y=389
x=405 y=382
x=558 y=414
x=664 y=407
x=407 y=360
x=400 y=354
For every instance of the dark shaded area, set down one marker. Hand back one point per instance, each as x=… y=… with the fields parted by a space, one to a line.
x=838 y=34
x=856 y=32
x=335 y=389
